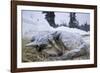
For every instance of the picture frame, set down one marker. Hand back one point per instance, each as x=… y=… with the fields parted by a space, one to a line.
x=17 y=64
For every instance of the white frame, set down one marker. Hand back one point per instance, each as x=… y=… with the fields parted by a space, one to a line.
x=58 y=63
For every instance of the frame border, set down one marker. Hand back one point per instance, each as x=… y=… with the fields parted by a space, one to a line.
x=14 y=35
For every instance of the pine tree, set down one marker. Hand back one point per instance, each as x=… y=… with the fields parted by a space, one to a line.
x=50 y=17
x=73 y=23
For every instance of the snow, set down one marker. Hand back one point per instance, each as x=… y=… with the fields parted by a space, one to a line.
x=71 y=30
x=34 y=21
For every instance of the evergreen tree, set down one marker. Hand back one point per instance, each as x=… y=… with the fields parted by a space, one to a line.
x=85 y=27
x=73 y=23
x=50 y=17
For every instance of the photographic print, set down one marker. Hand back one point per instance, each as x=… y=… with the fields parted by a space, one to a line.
x=53 y=36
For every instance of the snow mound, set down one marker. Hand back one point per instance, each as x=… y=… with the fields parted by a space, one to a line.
x=71 y=30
